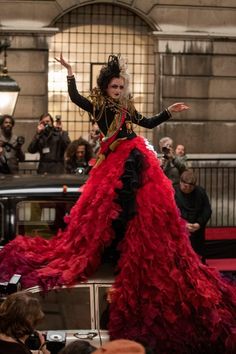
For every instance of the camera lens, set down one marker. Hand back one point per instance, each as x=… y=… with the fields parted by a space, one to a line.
x=7 y=148
x=165 y=150
x=80 y=171
x=20 y=140
x=33 y=341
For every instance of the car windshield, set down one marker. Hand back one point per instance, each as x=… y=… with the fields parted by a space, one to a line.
x=41 y=217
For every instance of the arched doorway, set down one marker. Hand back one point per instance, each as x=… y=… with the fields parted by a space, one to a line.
x=87 y=36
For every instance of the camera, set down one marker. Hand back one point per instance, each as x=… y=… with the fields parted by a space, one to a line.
x=6 y=145
x=81 y=168
x=165 y=151
x=33 y=341
x=47 y=126
x=58 y=118
x=20 y=140
x=47 y=129
x=80 y=171
x=12 y=286
x=56 y=340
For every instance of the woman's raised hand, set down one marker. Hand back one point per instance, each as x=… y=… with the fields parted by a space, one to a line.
x=63 y=62
x=178 y=107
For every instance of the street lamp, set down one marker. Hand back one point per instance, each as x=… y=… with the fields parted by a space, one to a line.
x=9 y=89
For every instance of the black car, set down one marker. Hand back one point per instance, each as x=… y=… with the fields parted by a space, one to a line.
x=36 y=205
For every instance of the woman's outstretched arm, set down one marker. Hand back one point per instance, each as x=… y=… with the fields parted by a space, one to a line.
x=152 y=122
x=64 y=63
x=75 y=96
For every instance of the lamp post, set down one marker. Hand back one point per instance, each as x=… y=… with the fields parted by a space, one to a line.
x=9 y=89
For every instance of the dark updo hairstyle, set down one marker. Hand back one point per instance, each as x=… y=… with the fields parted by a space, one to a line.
x=108 y=72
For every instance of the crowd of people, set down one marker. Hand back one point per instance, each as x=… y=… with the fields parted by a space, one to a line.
x=144 y=211
x=21 y=312
x=10 y=146
x=57 y=153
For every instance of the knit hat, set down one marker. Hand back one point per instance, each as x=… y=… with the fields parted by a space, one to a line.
x=121 y=346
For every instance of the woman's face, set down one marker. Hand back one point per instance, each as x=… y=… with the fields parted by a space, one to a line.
x=115 y=88
x=80 y=152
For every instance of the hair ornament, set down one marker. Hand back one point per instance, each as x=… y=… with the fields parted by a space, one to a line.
x=113 y=64
x=123 y=65
x=116 y=67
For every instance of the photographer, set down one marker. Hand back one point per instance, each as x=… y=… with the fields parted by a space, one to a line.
x=78 y=156
x=11 y=145
x=50 y=141
x=20 y=313
x=172 y=165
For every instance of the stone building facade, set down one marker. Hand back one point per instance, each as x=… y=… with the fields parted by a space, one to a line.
x=194 y=57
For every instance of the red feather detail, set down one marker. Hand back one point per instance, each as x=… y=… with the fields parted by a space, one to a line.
x=164 y=296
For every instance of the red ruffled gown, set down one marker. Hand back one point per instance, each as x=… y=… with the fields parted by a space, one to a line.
x=164 y=296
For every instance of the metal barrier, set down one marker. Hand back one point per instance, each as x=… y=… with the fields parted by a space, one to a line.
x=216 y=175
x=28 y=167
x=220 y=185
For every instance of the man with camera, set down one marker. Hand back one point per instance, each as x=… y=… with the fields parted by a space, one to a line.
x=171 y=164
x=11 y=146
x=50 y=141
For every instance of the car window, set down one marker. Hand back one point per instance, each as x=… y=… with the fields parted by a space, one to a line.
x=42 y=218
x=82 y=306
x=102 y=306
x=67 y=308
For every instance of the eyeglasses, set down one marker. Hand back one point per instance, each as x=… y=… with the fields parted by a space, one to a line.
x=117 y=86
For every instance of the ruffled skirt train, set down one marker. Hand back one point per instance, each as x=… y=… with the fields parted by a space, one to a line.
x=163 y=295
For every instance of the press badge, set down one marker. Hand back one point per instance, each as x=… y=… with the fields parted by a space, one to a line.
x=46 y=150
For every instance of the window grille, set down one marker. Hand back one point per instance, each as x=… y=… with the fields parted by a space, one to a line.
x=87 y=36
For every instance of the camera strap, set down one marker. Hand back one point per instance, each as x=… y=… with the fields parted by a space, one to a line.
x=27 y=350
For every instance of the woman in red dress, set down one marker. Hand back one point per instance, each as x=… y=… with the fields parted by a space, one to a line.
x=163 y=296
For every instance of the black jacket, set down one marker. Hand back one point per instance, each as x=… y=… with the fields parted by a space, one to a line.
x=108 y=114
x=195 y=208
x=51 y=146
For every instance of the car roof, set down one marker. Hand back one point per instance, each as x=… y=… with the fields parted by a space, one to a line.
x=31 y=184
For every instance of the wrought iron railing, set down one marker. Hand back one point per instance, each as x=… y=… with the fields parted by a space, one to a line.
x=216 y=175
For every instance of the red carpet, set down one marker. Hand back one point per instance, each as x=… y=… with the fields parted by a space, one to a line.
x=224 y=264
x=221 y=233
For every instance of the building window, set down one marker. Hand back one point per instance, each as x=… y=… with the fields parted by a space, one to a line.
x=87 y=36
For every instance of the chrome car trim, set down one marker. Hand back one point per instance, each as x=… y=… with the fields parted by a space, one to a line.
x=40 y=190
